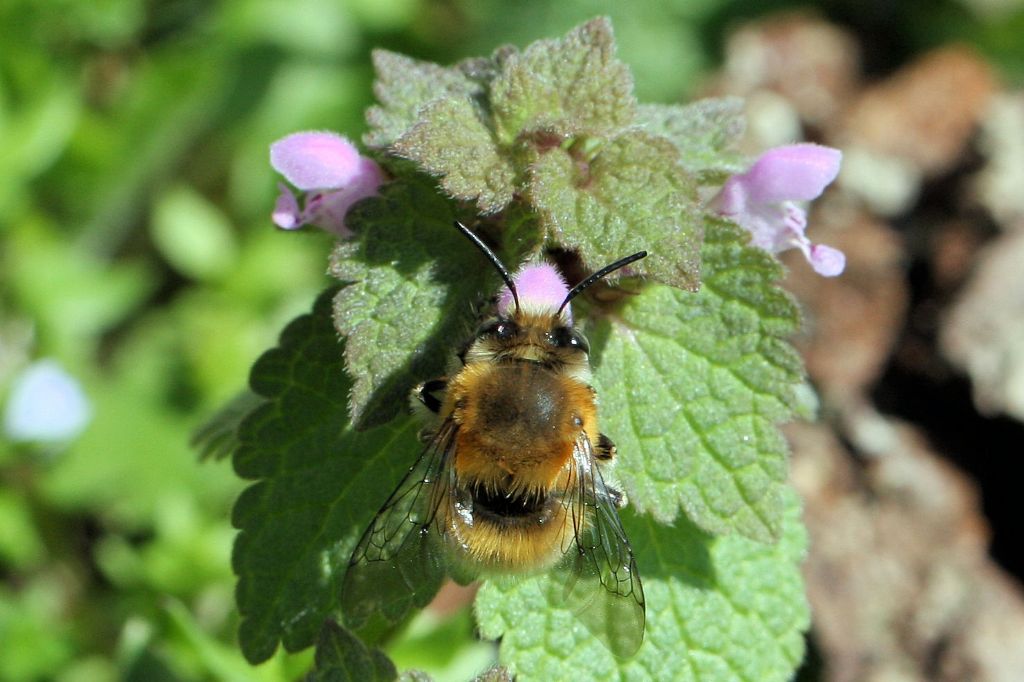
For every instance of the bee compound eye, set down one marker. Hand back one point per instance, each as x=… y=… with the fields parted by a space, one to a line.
x=501 y=329
x=558 y=337
x=566 y=337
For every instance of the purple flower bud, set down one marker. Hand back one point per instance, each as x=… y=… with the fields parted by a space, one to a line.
x=332 y=174
x=761 y=201
x=46 y=404
x=541 y=290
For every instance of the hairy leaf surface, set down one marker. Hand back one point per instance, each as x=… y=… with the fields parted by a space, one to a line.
x=413 y=282
x=572 y=86
x=403 y=86
x=692 y=386
x=317 y=483
x=706 y=133
x=342 y=657
x=725 y=608
x=631 y=194
x=451 y=141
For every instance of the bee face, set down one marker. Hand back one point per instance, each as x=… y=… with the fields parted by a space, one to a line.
x=510 y=480
x=543 y=338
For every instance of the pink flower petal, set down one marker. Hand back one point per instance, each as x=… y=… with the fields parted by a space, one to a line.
x=368 y=179
x=797 y=172
x=761 y=201
x=328 y=210
x=827 y=261
x=774 y=227
x=286 y=213
x=541 y=290
x=316 y=160
x=731 y=200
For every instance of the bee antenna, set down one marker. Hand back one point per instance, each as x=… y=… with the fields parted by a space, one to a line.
x=491 y=256
x=603 y=272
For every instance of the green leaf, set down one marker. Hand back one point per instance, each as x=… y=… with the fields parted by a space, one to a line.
x=214 y=659
x=137 y=434
x=342 y=657
x=444 y=643
x=725 y=608
x=632 y=194
x=176 y=100
x=36 y=132
x=573 y=86
x=21 y=544
x=692 y=385
x=39 y=640
x=522 y=235
x=413 y=279
x=452 y=141
x=193 y=234
x=319 y=482
x=217 y=437
x=404 y=86
x=706 y=133
x=71 y=296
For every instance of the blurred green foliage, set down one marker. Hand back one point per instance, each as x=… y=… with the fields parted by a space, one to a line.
x=136 y=248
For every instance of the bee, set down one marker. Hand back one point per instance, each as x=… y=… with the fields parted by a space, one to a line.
x=509 y=480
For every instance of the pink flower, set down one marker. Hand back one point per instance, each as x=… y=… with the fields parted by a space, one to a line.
x=541 y=290
x=331 y=172
x=762 y=201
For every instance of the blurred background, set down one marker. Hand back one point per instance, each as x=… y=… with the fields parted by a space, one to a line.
x=140 y=277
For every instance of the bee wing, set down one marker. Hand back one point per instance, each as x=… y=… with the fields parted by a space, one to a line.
x=602 y=583
x=399 y=563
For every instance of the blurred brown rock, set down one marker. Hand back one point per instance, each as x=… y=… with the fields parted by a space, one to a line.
x=952 y=250
x=809 y=62
x=850 y=322
x=452 y=597
x=998 y=186
x=926 y=112
x=898 y=575
x=984 y=332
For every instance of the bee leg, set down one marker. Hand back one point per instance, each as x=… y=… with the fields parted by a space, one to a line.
x=617 y=497
x=429 y=394
x=426 y=400
x=605 y=450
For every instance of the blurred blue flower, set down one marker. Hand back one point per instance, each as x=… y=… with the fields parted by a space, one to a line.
x=46 y=404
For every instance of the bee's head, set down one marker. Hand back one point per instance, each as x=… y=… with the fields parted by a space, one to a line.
x=541 y=337
x=533 y=309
